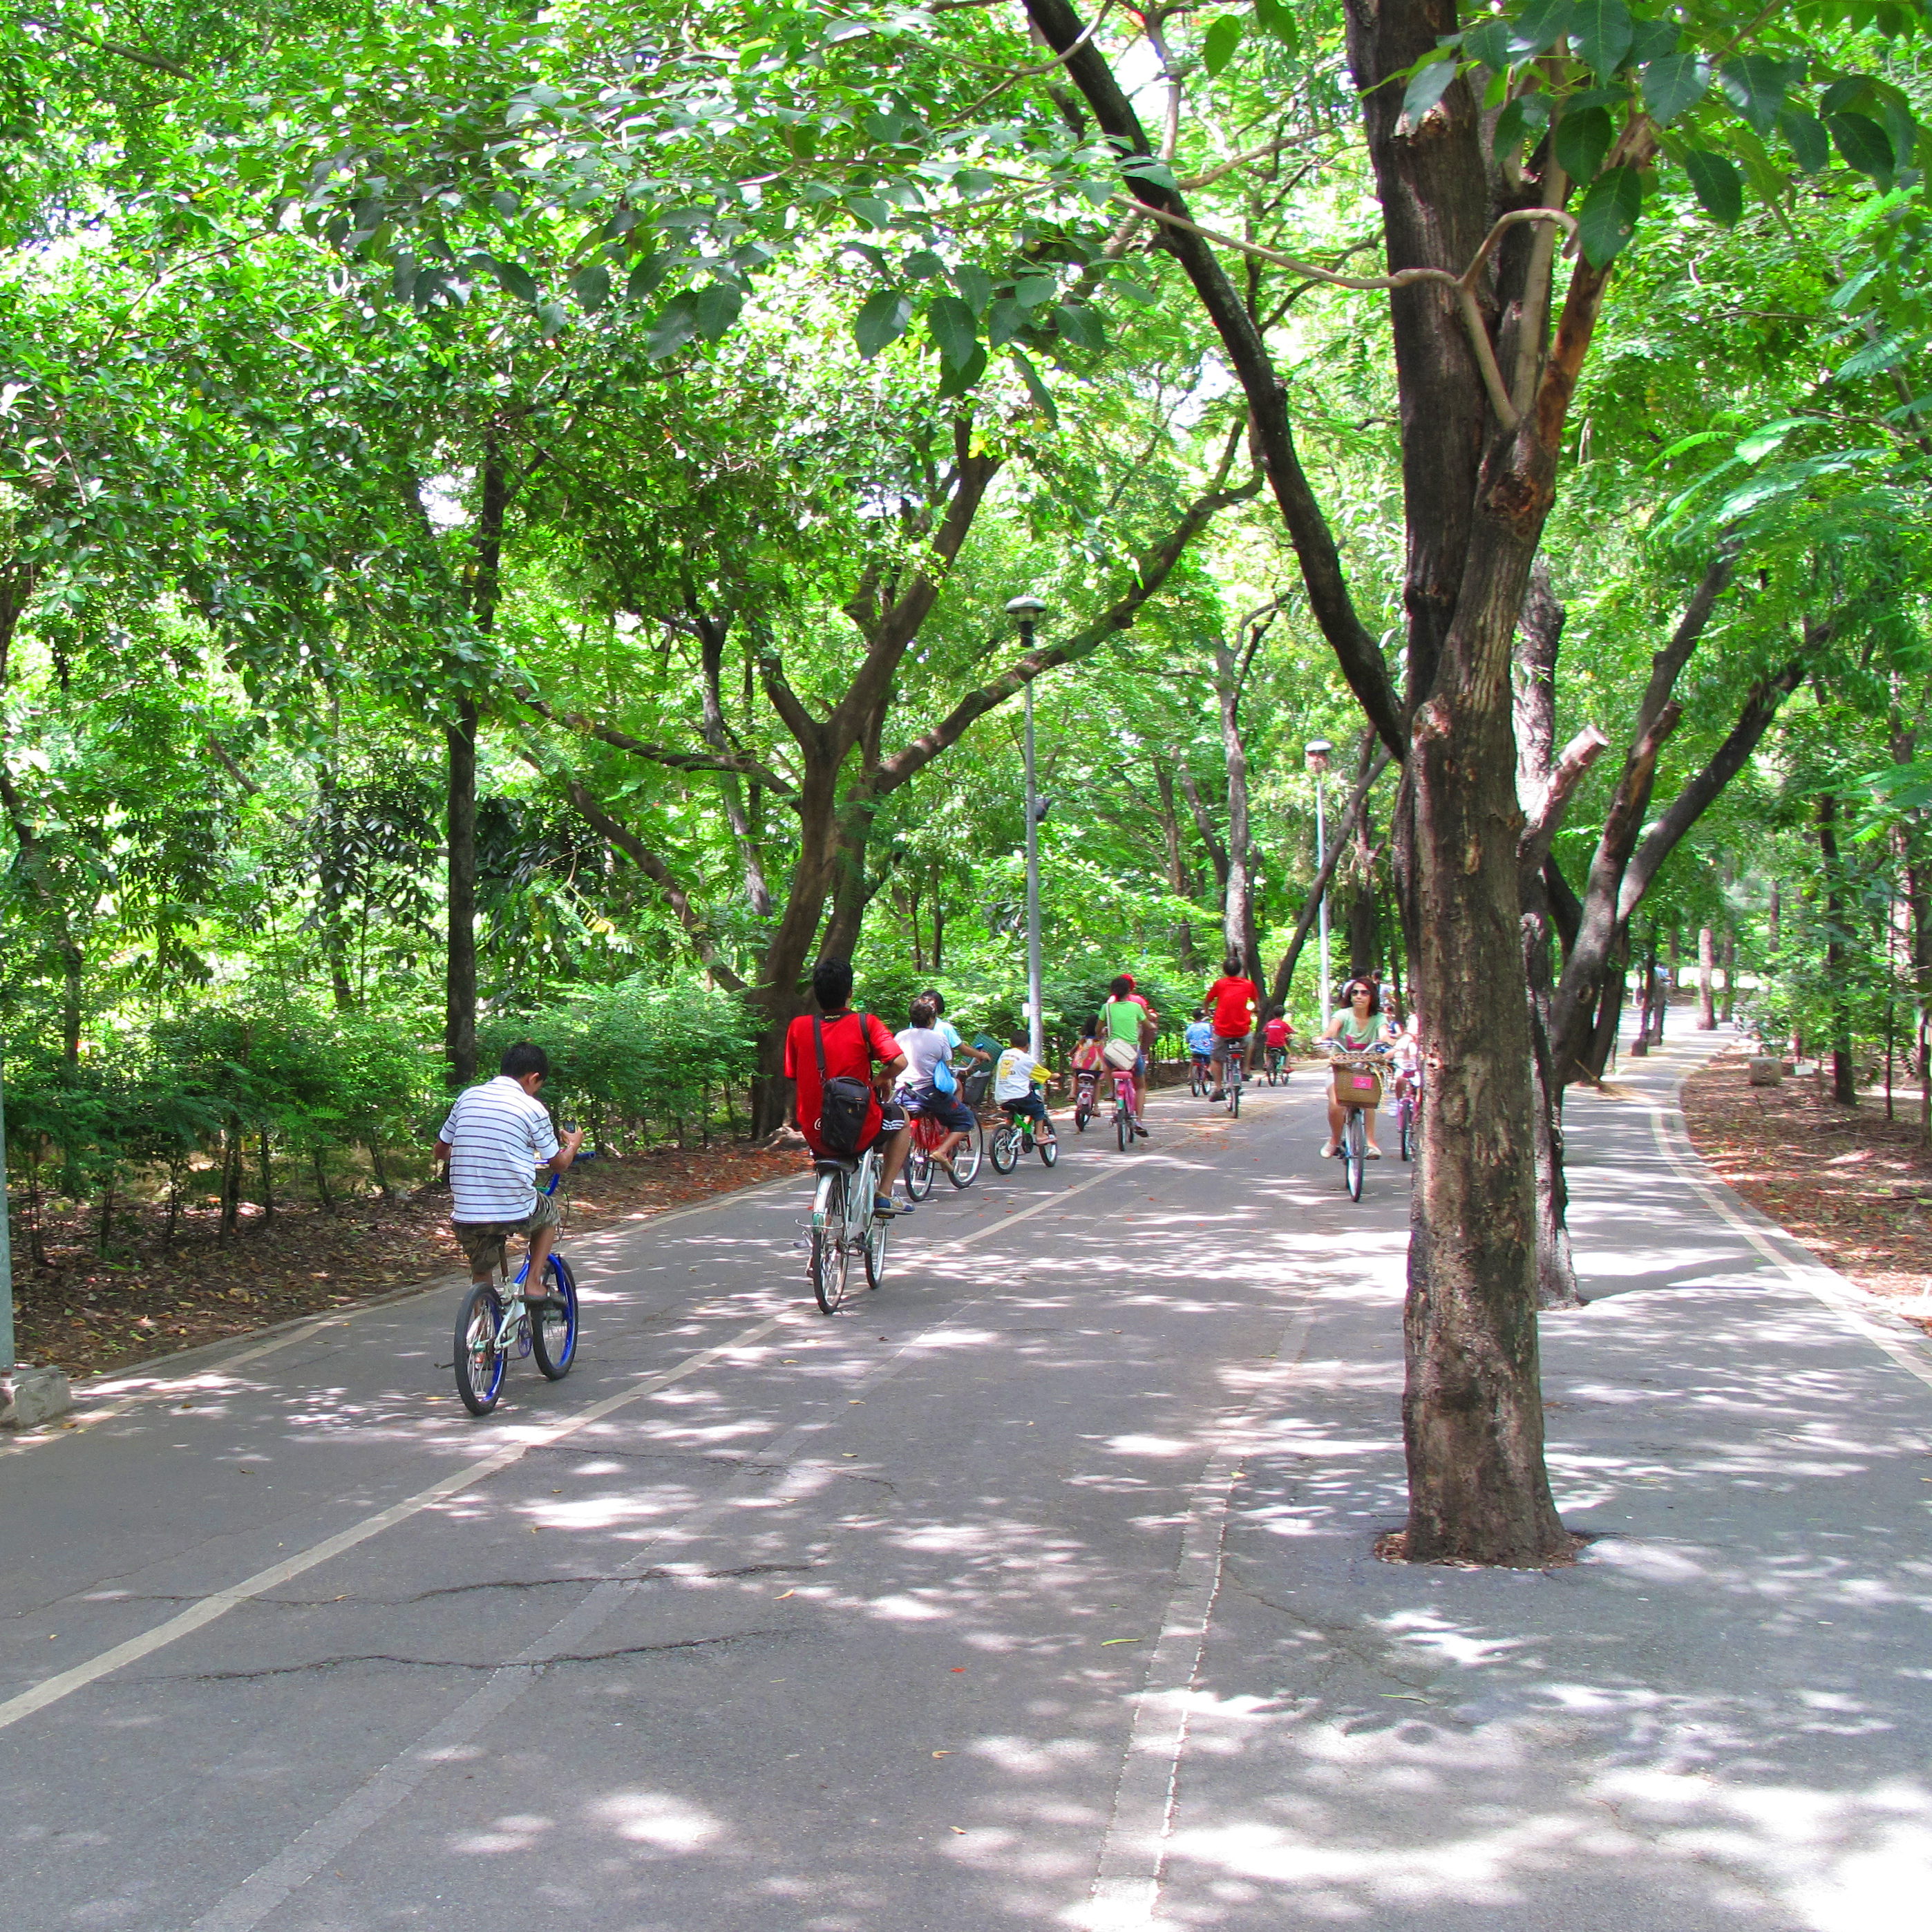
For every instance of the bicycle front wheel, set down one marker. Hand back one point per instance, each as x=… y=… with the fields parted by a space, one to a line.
x=966 y=1158
x=554 y=1330
x=829 y=1258
x=1354 y=1148
x=479 y=1362
x=1004 y=1149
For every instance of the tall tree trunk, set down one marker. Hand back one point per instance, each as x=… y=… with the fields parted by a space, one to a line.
x=1707 y=963
x=1837 y=949
x=459 y=1034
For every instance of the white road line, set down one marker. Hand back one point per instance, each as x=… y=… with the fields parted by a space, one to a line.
x=219 y=1603
x=1125 y=1892
x=1843 y=1297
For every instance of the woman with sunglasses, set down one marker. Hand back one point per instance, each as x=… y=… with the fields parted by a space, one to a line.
x=1357 y=1026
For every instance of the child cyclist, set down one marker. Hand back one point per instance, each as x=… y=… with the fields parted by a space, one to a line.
x=1016 y=1081
x=1275 y=1035
x=1200 y=1035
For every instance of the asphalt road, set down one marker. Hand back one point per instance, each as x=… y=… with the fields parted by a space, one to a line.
x=1039 y=1576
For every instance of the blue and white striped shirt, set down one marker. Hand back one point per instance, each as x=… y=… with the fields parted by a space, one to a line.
x=498 y=1136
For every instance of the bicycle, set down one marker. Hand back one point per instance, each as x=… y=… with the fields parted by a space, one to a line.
x=927 y=1136
x=1086 y=1096
x=845 y=1222
x=492 y=1326
x=1200 y=1075
x=1358 y=1086
x=1014 y=1137
x=1277 y=1066
x=1408 y=1109
x=1123 y=1107
x=1234 y=1072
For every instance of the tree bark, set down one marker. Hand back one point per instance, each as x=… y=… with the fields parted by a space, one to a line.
x=1837 y=950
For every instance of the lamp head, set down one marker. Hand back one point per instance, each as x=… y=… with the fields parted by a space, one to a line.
x=1026 y=609
x=1318 y=749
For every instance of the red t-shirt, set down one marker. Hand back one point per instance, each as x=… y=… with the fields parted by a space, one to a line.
x=1234 y=1002
x=850 y=1051
x=1276 y=1033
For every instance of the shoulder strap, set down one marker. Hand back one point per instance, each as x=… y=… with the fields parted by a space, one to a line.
x=818 y=1045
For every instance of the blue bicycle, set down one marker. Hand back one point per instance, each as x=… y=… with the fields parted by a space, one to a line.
x=493 y=1327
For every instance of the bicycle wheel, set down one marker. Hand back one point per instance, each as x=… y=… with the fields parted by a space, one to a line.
x=1405 y=1119
x=918 y=1173
x=829 y=1257
x=1234 y=1100
x=1123 y=1130
x=967 y=1156
x=1082 y=1113
x=479 y=1361
x=1049 y=1151
x=554 y=1330
x=1004 y=1149
x=874 y=1249
x=1355 y=1144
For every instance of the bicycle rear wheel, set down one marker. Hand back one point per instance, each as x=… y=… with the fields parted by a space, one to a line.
x=829 y=1258
x=1354 y=1151
x=1234 y=1100
x=554 y=1330
x=918 y=1171
x=1405 y=1113
x=1003 y=1149
x=874 y=1249
x=479 y=1361
x=967 y=1156
x=1049 y=1151
x=1123 y=1129
x=1082 y=1113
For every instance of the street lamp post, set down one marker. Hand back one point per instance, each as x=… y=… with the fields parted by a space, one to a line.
x=1027 y=610
x=1318 y=749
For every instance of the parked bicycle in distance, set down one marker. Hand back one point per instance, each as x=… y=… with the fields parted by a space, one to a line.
x=493 y=1327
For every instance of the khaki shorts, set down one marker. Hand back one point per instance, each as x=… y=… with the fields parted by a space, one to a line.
x=483 y=1242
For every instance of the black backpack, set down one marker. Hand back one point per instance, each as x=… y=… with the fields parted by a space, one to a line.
x=844 y=1104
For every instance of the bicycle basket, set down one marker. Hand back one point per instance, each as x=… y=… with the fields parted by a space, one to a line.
x=1357 y=1087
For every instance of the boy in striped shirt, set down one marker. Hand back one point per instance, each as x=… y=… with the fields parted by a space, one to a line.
x=496 y=1138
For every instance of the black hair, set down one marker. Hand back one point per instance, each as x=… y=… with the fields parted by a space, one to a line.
x=1023 y=1037
x=1121 y=987
x=1374 y=992
x=524 y=1058
x=832 y=984
x=935 y=998
x=1089 y=1028
x=923 y=1013
x=1231 y=966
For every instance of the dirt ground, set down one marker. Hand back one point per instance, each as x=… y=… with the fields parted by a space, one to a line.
x=148 y=1298
x=1853 y=1186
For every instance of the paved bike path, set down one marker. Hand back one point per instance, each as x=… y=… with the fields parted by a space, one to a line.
x=890 y=1621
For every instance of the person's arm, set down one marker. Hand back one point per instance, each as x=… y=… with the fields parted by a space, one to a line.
x=1333 y=1029
x=566 y=1152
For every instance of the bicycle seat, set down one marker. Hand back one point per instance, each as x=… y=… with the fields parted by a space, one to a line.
x=835 y=1163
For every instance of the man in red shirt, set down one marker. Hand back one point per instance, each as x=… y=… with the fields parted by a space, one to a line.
x=1234 y=999
x=853 y=1041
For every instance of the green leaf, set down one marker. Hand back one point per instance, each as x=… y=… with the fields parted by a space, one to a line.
x=718 y=304
x=1277 y=17
x=954 y=329
x=1755 y=85
x=1805 y=135
x=591 y=285
x=1029 y=291
x=871 y=210
x=513 y=279
x=1488 y=42
x=882 y=320
x=1004 y=320
x=1525 y=118
x=1043 y=397
x=976 y=285
x=1717 y=183
x=1540 y=26
x=1222 y=37
x=1672 y=83
x=1875 y=358
x=958 y=381
x=1600 y=33
x=675 y=325
x=1652 y=39
x=1426 y=86
x=1583 y=138
x=1080 y=325
x=1864 y=145
x=922 y=264
x=1608 y=217
x=644 y=278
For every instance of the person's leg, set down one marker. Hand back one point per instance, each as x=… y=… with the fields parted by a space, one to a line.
x=541 y=1228
x=898 y=1144
x=1337 y=1118
x=1217 y=1063
x=1369 y=1122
